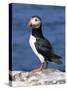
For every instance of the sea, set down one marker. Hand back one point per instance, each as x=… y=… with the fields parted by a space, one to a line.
x=53 y=28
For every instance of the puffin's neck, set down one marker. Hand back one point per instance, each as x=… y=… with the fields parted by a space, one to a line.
x=37 y=32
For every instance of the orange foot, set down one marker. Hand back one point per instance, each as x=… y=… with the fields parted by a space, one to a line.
x=39 y=69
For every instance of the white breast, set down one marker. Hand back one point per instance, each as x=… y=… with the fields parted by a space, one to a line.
x=32 y=41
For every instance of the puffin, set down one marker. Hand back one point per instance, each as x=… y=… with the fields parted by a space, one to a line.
x=40 y=44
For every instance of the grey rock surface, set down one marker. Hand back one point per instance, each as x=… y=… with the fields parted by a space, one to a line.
x=45 y=77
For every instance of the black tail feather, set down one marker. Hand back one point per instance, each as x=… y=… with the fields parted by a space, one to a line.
x=56 y=56
x=55 y=59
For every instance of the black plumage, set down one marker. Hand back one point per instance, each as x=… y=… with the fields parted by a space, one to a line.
x=44 y=47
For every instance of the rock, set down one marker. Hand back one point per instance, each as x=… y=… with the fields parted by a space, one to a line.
x=45 y=77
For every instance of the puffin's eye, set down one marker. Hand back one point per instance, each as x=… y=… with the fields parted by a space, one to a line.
x=35 y=19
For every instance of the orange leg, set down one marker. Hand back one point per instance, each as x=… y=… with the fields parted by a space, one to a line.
x=40 y=68
x=37 y=70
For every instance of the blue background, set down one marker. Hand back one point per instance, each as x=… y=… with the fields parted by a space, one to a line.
x=53 y=28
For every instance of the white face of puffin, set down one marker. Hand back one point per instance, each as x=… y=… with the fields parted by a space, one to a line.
x=34 y=22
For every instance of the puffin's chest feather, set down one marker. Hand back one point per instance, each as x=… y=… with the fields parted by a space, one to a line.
x=32 y=41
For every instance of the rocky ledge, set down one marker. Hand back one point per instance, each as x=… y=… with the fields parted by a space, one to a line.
x=46 y=77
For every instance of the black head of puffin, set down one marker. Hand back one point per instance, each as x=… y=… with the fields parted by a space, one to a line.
x=34 y=22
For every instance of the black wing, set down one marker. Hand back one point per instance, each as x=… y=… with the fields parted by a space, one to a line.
x=44 y=47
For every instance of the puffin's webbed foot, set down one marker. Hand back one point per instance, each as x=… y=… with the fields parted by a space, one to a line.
x=40 y=69
x=37 y=70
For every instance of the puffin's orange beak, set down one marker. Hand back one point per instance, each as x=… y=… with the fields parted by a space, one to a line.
x=29 y=24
